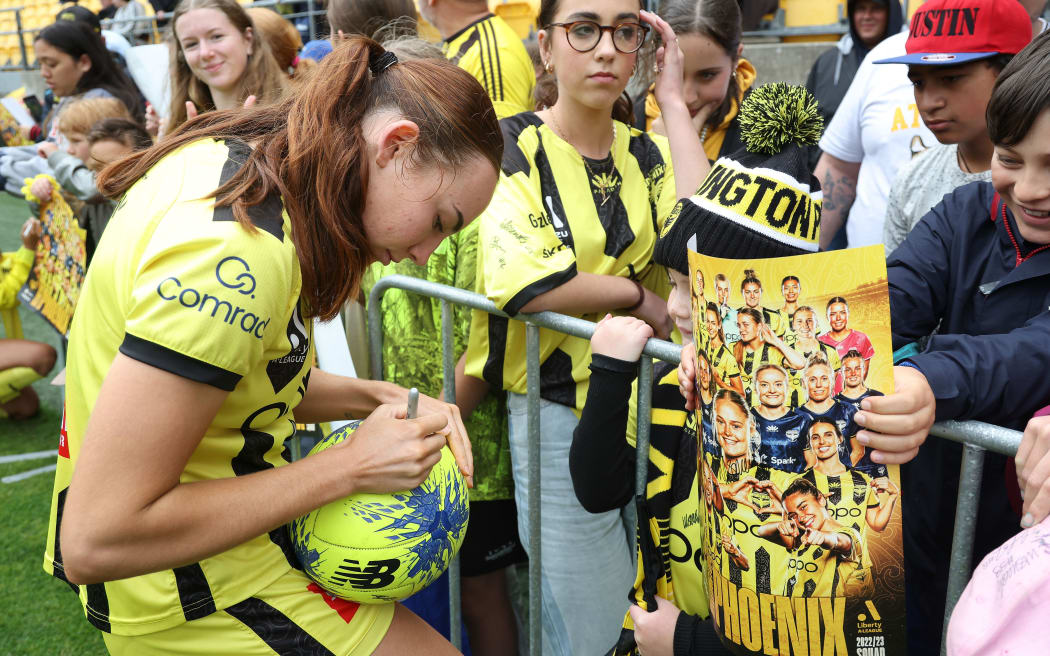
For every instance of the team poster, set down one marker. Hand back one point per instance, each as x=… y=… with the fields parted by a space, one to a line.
x=54 y=282
x=801 y=529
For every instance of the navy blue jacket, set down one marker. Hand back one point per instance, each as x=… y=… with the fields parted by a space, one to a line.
x=965 y=273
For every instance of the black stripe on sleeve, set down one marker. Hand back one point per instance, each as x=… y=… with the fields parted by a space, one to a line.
x=98 y=606
x=194 y=591
x=541 y=286
x=177 y=363
x=276 y=629
x=59 y=569
x=492 y=48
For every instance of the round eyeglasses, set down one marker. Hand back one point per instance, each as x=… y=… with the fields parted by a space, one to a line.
x=584 y=35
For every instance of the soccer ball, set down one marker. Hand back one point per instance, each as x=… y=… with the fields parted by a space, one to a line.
x=377 y=548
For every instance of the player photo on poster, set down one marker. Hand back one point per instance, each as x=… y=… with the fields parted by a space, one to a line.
x=802 y=529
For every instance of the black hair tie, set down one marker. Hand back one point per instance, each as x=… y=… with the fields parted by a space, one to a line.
x=380 y=63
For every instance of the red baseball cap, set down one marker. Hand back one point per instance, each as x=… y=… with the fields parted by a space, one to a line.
x=950 y=32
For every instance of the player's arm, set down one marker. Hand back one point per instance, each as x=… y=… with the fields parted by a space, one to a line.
x=856 y=450
x=333 y=397
x=832 y=541
x=128 y=513
x=785 y=532
x=878 y=517
x=735 y=554
x=793 y=358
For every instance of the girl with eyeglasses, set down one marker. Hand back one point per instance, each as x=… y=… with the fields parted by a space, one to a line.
x=571 y=229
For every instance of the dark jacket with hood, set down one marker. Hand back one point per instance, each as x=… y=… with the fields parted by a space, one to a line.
x=966 y=276
x=834 y=69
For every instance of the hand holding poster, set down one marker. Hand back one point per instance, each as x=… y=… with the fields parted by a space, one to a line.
x=54 y=283
x=801 y=528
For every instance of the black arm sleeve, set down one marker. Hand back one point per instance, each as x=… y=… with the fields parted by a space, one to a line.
x=694 y=636
x=601 y=462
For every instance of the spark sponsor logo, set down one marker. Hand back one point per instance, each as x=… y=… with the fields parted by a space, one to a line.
x=232 y=273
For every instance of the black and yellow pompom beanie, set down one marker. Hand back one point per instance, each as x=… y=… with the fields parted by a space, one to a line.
x=759 y=202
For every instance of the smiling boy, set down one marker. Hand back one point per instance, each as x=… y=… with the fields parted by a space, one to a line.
x=977 y=270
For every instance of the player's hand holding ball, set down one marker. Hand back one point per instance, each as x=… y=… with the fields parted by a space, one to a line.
x=389 y=453
x=622 y=338
x=896 y=425
x=1033 y=471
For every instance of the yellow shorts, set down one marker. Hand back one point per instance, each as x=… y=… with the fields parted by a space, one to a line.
x=292 y=616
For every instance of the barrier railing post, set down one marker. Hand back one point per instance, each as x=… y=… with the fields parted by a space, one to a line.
x=448 y=361
x=532 y=384
x=645 y=403
x=965 y=528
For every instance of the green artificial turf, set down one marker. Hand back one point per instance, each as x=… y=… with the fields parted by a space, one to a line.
x=39 y=615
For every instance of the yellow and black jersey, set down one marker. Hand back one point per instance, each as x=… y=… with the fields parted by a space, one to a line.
x=772 y=318
x=798 y=395
x=764 y=571
x=849 y=496
x=723 y=362
x=179 y=284
x=670 y=558
x=817 y=571
x=541 y=228
x=492 y=52
x=750 y=361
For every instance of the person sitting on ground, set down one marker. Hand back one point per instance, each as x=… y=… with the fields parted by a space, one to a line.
x=22 y=361
x=71 y=166
x=951 y=93
x=218 y=61
x=482 y=44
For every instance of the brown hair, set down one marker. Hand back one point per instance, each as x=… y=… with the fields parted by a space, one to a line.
x=366 y=17
x=323 y=187
x=262 y=76
x=718 y=20
x=1021 y=94
x=121 y=130
x=279 y=34
x=546 y=92
x=79 y=115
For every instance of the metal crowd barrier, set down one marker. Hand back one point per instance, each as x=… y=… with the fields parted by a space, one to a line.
x=977 y=437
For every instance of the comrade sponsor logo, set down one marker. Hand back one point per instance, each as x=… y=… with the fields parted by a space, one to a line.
x=234 y=274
